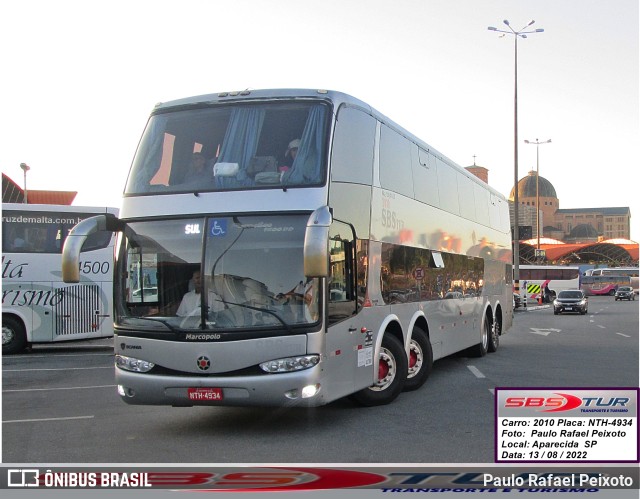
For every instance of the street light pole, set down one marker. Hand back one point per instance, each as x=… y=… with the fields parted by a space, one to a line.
x=25 y=169
x=516 y=236
x=537 y=143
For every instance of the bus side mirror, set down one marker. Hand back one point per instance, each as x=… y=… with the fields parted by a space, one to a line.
x=76 y=238
x=316 y=243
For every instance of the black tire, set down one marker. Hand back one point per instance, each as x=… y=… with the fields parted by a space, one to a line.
x=481 y=349
x=14 y=337
x=494 y=335
x=393 y=372
x=420 y=361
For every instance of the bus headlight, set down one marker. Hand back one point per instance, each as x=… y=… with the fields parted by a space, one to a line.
x=132 y=364
x=290 y=364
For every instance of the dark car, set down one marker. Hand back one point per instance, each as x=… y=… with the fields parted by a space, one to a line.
x=570 y=300
x=625 y=293
x=517 y=300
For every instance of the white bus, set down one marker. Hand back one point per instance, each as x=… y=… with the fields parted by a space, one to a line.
x=631 y=272
x=554 y=277
x=37 y=307
x=339 y=255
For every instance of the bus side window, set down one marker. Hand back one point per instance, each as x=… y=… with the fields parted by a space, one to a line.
x=341 y=283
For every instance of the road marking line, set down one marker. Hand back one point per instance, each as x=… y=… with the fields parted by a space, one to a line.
x=492 y=391
x=476 y=372
x=47 y=419
x=544 y=332
x=61 y=388
x=601 y=326
x=55 y=369
x=28 y=356
x=625 y=335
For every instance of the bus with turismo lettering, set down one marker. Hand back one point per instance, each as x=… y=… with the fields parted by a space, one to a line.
x=37 y=306
x=304 y=248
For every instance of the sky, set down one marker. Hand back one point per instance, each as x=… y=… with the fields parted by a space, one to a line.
x=79 y=80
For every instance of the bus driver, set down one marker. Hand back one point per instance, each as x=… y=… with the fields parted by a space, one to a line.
x=191 y=301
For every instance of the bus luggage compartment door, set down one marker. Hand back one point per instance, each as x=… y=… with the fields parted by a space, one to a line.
x=79 y=310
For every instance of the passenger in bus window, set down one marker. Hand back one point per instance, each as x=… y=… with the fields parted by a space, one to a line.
x=197 y=170
x=17 y=240
x=290 y=155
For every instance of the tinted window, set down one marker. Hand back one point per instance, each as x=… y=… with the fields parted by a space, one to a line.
x=570 y=294
x=425 y=176
x=395 y=162
x=412 y=274
x=348 y=273
x=353 y=145
x=44 y=232
x=570 y=273
x=448 y=187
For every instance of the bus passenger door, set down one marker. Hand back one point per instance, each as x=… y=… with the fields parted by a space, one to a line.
x=349 y=350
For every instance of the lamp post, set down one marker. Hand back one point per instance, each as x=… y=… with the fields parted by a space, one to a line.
x=25 y=169
x=537 y=143
x=516 y=236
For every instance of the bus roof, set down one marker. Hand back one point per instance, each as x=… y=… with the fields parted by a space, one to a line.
x=59 y=207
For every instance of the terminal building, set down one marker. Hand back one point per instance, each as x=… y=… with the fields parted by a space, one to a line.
x=574 y=225
x=574 y=235
x=584 y=236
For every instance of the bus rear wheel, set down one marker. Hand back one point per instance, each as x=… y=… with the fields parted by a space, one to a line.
x=14 y=338
x=392 y=375
x=481 y=349
x=420 y=360
x=494 y=334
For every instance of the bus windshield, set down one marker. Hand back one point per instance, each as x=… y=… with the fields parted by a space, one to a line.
x=230 y=147
x=211 y=273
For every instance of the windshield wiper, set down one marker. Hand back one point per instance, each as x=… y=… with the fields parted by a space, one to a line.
x=164 y=322
x=260 y=309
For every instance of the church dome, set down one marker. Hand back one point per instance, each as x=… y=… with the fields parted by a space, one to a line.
x=583 y=231
x=527 y=187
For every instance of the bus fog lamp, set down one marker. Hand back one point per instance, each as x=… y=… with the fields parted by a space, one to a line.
x=133 y=364
x=123 y=391
x=290 y=364
x=310 y=391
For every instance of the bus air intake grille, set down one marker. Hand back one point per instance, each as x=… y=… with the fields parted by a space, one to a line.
x=77 y=311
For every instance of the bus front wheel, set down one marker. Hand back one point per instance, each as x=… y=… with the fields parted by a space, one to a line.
x=392 y=375
x=14 y=338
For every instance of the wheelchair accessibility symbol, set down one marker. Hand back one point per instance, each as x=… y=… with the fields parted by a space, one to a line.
x=218 y=228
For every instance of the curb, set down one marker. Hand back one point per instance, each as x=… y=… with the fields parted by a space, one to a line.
x=532 y=308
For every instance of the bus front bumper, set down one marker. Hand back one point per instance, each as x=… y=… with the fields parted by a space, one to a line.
x=301 y=388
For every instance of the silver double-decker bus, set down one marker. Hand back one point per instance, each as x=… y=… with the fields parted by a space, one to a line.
x=293 y=247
